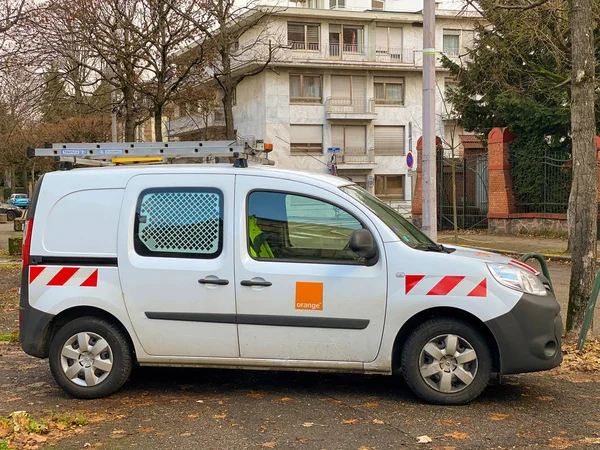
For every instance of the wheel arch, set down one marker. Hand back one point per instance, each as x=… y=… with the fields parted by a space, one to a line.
x=447 y=312
x=75 y=312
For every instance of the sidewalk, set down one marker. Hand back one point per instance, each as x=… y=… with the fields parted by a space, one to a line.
x=502 y=243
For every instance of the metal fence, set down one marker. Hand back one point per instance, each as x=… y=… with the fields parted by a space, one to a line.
x=545 y=186
x=471 y=175
x=349 y=105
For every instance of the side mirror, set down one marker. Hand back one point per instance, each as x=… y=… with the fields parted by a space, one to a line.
x=363 y=244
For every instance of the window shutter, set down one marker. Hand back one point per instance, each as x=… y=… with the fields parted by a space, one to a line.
x=295 y=33
x=381 y=39
x=337 y=136
x=359 y=87
x=389 y=140
x=306 y=134
x=396 y=40
x=355 y=136
x=312 y=35
x=340 y=86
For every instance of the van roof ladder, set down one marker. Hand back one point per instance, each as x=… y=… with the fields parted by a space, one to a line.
x=242 y=150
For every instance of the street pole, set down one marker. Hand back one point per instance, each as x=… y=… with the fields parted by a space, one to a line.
x=113 y=115
x=429 y=139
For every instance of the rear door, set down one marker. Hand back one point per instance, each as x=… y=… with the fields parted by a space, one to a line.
x=310 y=297
x=175 y=253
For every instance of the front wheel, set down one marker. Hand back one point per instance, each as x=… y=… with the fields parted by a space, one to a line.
x=90 y=358
x=446 y=362
x=10 y=215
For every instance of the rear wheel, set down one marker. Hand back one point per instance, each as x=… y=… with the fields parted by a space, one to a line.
x=90 y=358
x=10 y=215
x=446 y=361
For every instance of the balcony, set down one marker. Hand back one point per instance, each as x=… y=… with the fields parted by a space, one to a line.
x=300 y=51
x=360 y=108
x=194 y=122
x=353 y=158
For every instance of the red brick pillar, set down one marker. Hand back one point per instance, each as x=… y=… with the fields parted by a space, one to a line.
x=500 y=194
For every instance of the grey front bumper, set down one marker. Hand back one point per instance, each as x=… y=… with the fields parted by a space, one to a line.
x=529 y=335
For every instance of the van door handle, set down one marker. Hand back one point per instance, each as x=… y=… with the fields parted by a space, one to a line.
x=214 y=281
x=256 y=283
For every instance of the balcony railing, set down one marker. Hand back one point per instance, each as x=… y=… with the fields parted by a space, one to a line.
x=355 y=52
x=309 y=46
x=394 y=55
x=355 y=155
x=349 y=105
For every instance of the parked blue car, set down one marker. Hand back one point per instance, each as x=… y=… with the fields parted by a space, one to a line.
x=20 y=200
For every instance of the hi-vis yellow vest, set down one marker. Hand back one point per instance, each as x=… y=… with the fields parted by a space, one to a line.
x=258 y=241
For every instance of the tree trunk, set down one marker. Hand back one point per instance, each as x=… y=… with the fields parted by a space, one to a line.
x=129 y=115
x=583 y=201
x=228 y=110
x=13 y=180
x=158 y=109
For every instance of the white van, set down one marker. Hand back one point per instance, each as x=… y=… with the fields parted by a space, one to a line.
x=259 y=268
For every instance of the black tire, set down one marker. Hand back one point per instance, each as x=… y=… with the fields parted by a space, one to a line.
x=10 y=216
x=122 y=359
x=411 y=360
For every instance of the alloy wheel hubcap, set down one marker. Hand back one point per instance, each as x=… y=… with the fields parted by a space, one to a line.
x=86 y=359
x=448 y=363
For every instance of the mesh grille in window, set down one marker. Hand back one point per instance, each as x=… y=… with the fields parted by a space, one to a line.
x=179 y=222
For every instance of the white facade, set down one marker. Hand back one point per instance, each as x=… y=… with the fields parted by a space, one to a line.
x=351 y=80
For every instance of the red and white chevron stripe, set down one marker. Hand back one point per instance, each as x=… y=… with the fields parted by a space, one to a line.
x=453 y=285
x=63 y=276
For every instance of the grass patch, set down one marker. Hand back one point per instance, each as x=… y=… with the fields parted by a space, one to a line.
x=68 y=420
x=13 y=337
x=4 y=444
x=37 y=427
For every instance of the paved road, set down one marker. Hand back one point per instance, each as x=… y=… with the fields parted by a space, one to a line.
x=230 y=409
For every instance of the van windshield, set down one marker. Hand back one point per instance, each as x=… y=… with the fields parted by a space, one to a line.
x=406 y=231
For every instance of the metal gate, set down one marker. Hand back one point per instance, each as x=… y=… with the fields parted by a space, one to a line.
x=471 y=177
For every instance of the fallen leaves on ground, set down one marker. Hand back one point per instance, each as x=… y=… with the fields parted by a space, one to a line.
x=371 y=404
x=23 y=431
x=378 y=422
x=499 y=416
x=145 y=429
x=307 y=424
x=268 y=444
x=560 y=443
x=580 y=366
x=255 y=395
x=219 y=416
x=349 y=421
x=285 y=399
x=446 y=423
x=424 y=439
x=457 y=435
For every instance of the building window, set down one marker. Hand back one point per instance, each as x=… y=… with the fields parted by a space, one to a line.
x=303 y=36
x=388 y=41
x=299 y=229
x=306 y=139
x=179 y=223
x=451 y=42
x=389 y=91
x=305 y=88
x=389 y=140
x=389 y=186
x=377 y=5
x=337 y=4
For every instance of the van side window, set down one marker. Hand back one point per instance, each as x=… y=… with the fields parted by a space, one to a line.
x=179 y=223
x=292 y=227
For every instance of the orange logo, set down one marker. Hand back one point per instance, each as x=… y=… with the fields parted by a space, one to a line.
x=309 y=296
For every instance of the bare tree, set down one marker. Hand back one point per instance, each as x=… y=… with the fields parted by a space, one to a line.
x=242 y=43
x=135 y=46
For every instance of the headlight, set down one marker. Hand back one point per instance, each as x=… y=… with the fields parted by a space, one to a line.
x=517 y=278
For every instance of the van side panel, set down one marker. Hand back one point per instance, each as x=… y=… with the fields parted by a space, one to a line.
x=83 y=223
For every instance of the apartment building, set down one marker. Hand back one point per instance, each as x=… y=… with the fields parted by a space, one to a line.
x=345 y=88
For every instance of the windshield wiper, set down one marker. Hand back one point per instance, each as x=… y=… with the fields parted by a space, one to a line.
x=435 y=248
